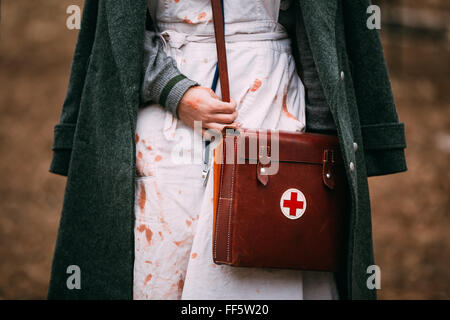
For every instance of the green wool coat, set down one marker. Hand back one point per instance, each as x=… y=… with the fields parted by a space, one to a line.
x=94 y=142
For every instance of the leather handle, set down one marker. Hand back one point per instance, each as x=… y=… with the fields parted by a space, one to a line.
x=219 y=32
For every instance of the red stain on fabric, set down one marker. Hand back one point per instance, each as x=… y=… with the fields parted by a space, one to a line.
x=158 y=158
x=148 y=261
x=256 y=85
x=213 y=265
x=147 y=279
x=176 y=1
x=285 y=110
x=164 y=224
x=148 y=232
x=194 y=255
x=137 y=138
x=140 y=156
x=160 y=234
x=149 y=147
x=186 y=20
x=148 y=235
x=180 y=284
x=142 y=198
x=188 y=223
x=201 y=15
x=179 y=243
x=243 y=97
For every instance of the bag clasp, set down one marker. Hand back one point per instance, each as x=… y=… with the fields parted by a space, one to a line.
x=263 y=162
x=328 y=172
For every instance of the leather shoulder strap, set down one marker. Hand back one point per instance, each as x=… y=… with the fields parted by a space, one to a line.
x=221 y=49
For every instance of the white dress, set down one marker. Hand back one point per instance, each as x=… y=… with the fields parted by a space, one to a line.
x=174 y=208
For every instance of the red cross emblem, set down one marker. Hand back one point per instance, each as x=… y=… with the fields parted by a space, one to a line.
x=293 y=203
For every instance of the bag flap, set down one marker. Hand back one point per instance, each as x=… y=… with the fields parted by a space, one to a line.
x=284 y=146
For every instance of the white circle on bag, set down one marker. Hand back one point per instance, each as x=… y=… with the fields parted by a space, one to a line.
x=293 y=203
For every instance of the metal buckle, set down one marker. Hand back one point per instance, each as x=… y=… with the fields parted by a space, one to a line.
x=206 y=163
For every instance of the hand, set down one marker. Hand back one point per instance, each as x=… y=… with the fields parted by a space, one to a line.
x=202 y=104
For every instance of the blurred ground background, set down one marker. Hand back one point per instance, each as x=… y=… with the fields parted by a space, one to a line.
x=410 y=210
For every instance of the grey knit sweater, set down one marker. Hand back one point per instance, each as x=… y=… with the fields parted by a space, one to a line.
x=164 y=83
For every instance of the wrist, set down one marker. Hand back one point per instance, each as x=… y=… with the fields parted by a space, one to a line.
x=180 y=101
x=174 y=91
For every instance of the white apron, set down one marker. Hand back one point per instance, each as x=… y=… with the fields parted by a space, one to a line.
x=174 y=208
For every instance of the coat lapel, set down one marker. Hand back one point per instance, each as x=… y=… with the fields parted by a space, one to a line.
x=126 y=23
x=320 y=18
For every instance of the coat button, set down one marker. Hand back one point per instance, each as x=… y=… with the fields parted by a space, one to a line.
x=355 y=146
x=352 y=166
x=342 y=75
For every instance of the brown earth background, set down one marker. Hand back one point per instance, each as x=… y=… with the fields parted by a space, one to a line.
x=410 y=210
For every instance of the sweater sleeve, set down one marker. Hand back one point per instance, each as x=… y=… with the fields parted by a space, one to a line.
x=163 y=82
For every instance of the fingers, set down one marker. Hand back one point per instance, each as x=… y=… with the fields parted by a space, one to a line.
x=219 y=106
x=223 y=118
x=202 y=104
x=208 y=134
x=220 y=126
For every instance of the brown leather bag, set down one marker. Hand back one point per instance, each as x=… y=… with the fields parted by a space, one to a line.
x=290 y=219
